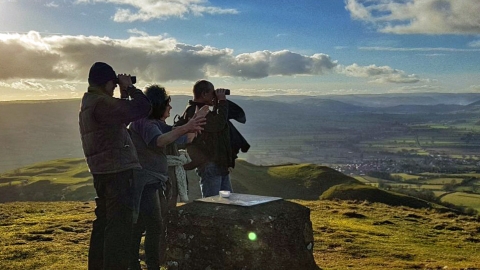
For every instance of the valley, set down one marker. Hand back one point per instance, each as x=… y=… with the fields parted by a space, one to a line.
x=363 y=135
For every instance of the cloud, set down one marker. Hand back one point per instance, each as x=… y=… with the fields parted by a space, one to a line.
x=135 y=31
x=438 y=49
x=475 y=44
x=266 y=63
x=475 y=87
x=28 y=56
x=160 y=59
x=52 y=5
x=146 y=10
x=214 y=34
x=29 y=85
x=419 y=88
x=418 y=16
x=383 y=74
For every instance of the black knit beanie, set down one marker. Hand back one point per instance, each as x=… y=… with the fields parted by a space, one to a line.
x=100 y=73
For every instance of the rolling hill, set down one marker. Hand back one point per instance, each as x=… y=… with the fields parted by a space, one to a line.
x=69 y=180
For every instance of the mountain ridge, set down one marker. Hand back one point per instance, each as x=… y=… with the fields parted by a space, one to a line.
x=33 y=131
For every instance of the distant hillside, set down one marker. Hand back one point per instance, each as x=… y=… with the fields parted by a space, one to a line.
x=372 y=194
x=384 y=100
x=474 y=107
x=331 y=106
x=296 y=181
x=34 y=131
x=69 y=180
x=395 y=99
x=412 y=109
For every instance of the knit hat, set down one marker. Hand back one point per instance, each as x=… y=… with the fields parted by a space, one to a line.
x=100 y=73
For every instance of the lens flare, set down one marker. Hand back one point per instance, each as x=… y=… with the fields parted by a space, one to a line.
x=252 y=236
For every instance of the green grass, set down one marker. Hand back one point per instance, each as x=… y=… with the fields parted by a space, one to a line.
x=391 y=237
x=60 y=171
x=290 y=181
x=368 y=179
x=348 y=235
x=373 y=194
x=442 y=180
x=406 y=176
x=464 y=199
x=45 y=235
x=61 y=179
x=432 y=187
x=69 y=179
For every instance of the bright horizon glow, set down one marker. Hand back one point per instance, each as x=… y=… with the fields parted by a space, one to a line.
x=254 y=48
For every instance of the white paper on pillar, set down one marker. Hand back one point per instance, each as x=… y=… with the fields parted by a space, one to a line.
x=239 y=199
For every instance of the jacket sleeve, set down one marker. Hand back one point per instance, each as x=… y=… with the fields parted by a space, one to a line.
x=114 y=110
x=217 y=120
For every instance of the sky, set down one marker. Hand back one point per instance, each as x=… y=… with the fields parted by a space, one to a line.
x=268 y=47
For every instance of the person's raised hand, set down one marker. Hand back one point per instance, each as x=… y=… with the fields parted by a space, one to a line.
x=194 y=125
x=124 y=81
x=220 y=94
x=202 y=112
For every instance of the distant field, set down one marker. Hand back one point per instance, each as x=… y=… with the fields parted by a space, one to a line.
x=442 y=181
x=406 y=176
x=436 y=182
x=459 y=175
x=367 y=179
x=432 y=187
x=464 y=199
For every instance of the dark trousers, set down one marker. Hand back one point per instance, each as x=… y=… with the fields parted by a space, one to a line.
x=110 y=241
x=150 y=221
x=164 y=210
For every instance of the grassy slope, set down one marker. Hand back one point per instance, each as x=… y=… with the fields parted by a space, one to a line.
x=352 y=235
x=372 y=194
x=45 y=235
x=462 y=198
x=69 y=179
x=38 y=235
x=61 y=179
x=348 y=235
x=61 y=171
x=296 y=181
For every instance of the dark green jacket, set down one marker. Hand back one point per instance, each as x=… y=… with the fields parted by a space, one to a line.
x=213 y=144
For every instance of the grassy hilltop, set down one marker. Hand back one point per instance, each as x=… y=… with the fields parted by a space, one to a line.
x=350 y=233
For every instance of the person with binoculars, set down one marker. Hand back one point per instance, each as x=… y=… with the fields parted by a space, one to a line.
x=210 y=150
x=111 y=158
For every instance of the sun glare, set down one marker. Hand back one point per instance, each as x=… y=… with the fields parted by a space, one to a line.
x=252 y=236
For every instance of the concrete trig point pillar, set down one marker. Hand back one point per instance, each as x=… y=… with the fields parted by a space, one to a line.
x=240 y=232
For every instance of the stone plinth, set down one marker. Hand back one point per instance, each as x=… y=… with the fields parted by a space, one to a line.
x=273 y=235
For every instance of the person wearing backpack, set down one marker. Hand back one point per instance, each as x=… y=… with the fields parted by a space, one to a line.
x=210 y=151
